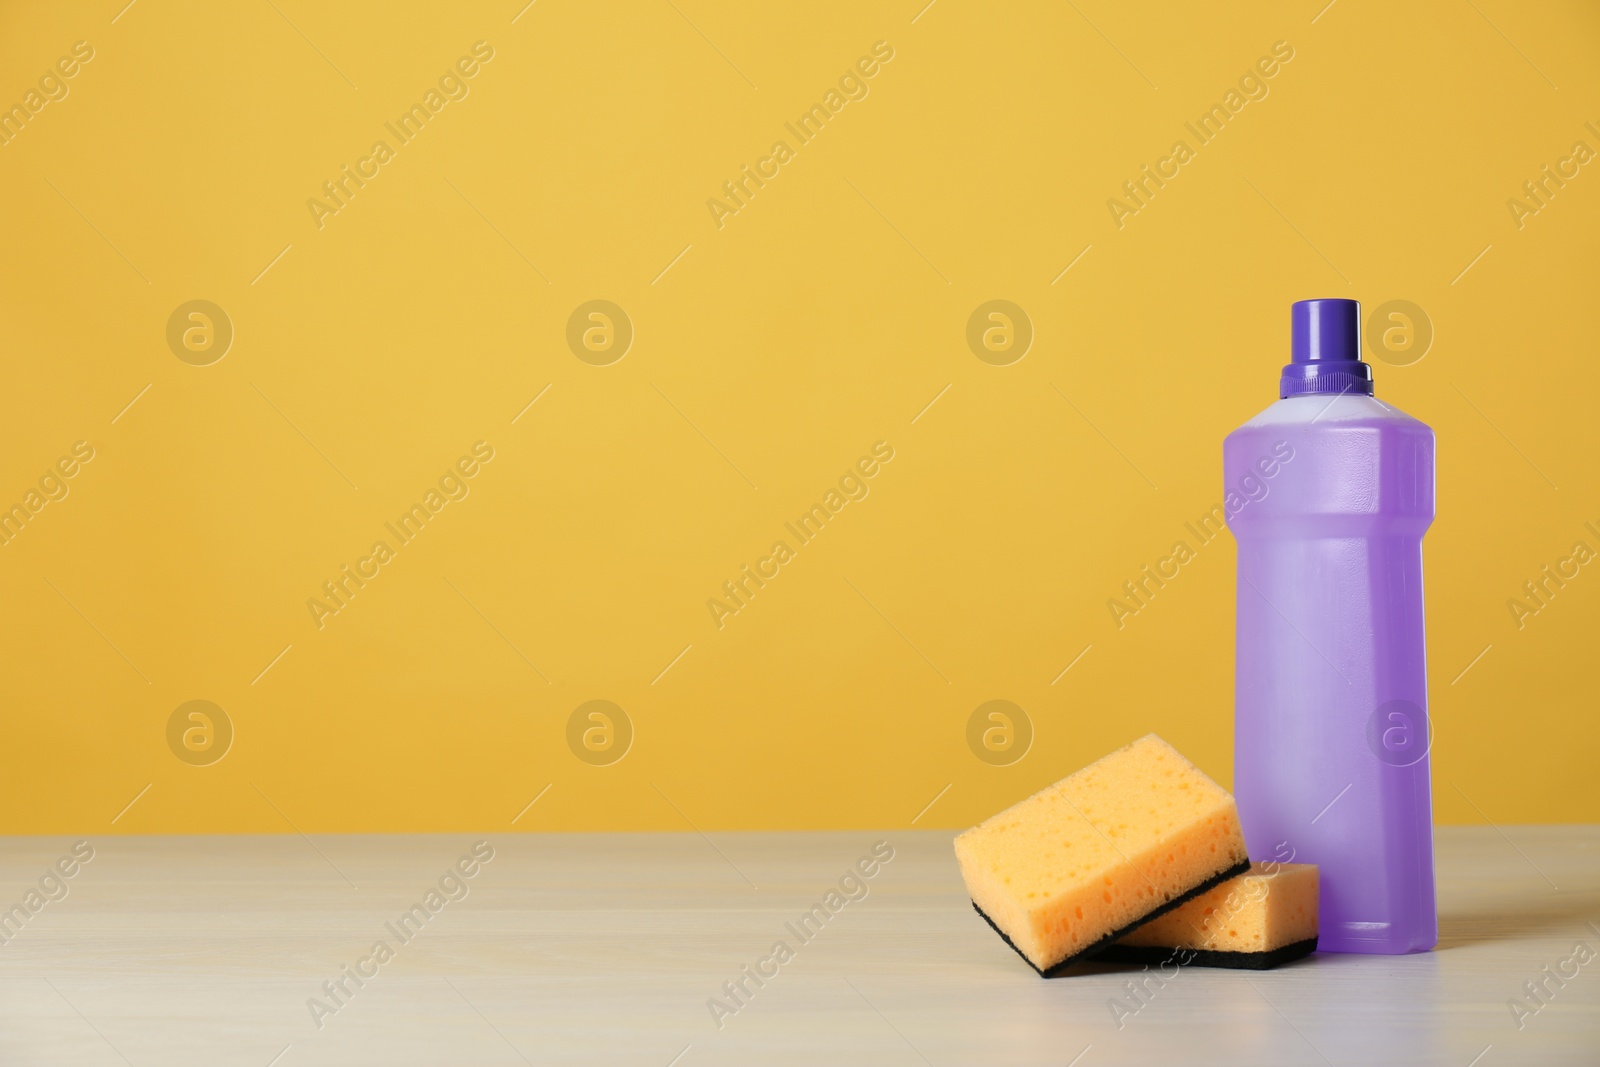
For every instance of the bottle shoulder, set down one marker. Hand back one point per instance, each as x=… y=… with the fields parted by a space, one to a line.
x=1347 y=465
x=1299 y=411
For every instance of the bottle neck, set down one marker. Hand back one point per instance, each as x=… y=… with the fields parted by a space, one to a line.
x=1333 y=376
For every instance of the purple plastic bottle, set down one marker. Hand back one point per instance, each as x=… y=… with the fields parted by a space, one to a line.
x=1329 y=492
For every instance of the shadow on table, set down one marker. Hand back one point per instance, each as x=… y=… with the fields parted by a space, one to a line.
x=1552 y=913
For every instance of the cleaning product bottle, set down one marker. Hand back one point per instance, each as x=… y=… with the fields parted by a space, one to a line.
x=1328 y=493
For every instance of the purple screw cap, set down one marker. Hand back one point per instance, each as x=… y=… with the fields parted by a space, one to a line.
x=1326 y=355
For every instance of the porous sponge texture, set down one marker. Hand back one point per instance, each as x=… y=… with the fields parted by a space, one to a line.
x=1268 y=907
x=1099 y=850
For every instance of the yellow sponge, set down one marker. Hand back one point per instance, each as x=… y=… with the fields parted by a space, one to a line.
x=1260 y=919
x=1073 y=867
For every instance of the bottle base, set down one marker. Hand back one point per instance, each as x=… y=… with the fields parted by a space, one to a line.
x=1376 y=939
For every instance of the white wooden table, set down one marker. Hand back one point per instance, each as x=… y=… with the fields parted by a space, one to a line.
x=607 y=948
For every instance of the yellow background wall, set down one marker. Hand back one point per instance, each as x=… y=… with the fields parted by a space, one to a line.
x=769 y=354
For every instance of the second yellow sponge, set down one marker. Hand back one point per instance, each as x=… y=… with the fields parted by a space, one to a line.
x=1258 y=920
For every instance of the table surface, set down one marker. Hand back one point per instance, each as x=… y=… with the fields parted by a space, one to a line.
x=610 y=948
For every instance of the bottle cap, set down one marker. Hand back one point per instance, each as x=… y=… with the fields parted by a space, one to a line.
x=1326 y=352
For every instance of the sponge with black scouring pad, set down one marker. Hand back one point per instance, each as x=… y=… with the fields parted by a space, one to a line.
x=1260 y=919
x=1067 y=871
